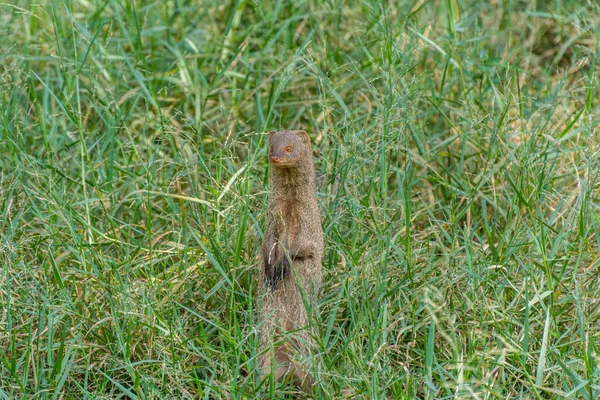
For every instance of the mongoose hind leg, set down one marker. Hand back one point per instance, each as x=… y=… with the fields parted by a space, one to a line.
x=286 y=368
x=285 y=334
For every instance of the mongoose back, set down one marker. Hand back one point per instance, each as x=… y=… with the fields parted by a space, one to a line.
x=291 y=254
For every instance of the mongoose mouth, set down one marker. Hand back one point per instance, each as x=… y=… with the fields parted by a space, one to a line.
x=281 y=163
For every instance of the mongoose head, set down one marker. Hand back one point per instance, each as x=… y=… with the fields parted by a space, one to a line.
x=287 y=148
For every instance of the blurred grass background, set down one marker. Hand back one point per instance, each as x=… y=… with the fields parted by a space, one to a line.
x=459 y=149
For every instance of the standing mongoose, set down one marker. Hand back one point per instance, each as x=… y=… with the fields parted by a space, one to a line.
x=291 y=259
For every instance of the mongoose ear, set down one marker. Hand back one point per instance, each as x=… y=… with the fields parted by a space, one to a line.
x=304 y=136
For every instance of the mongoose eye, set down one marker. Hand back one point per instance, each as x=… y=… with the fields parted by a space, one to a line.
x=288 y=149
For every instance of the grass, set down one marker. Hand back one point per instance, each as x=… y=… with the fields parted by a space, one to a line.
x=460 y=152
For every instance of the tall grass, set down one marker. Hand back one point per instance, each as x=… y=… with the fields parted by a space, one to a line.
x=458 y=148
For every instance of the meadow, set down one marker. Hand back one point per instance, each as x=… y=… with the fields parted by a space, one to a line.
x=458 y=148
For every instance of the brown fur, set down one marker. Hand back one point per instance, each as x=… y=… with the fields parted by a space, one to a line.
x=291 y=259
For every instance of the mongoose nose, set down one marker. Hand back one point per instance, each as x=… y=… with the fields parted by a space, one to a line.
x=275 y=159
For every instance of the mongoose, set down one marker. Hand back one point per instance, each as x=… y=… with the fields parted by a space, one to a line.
x=291 y=254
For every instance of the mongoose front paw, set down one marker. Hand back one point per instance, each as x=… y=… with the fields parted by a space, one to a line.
x=278 y=272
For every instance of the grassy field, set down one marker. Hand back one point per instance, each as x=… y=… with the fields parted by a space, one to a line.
x=459 y=148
